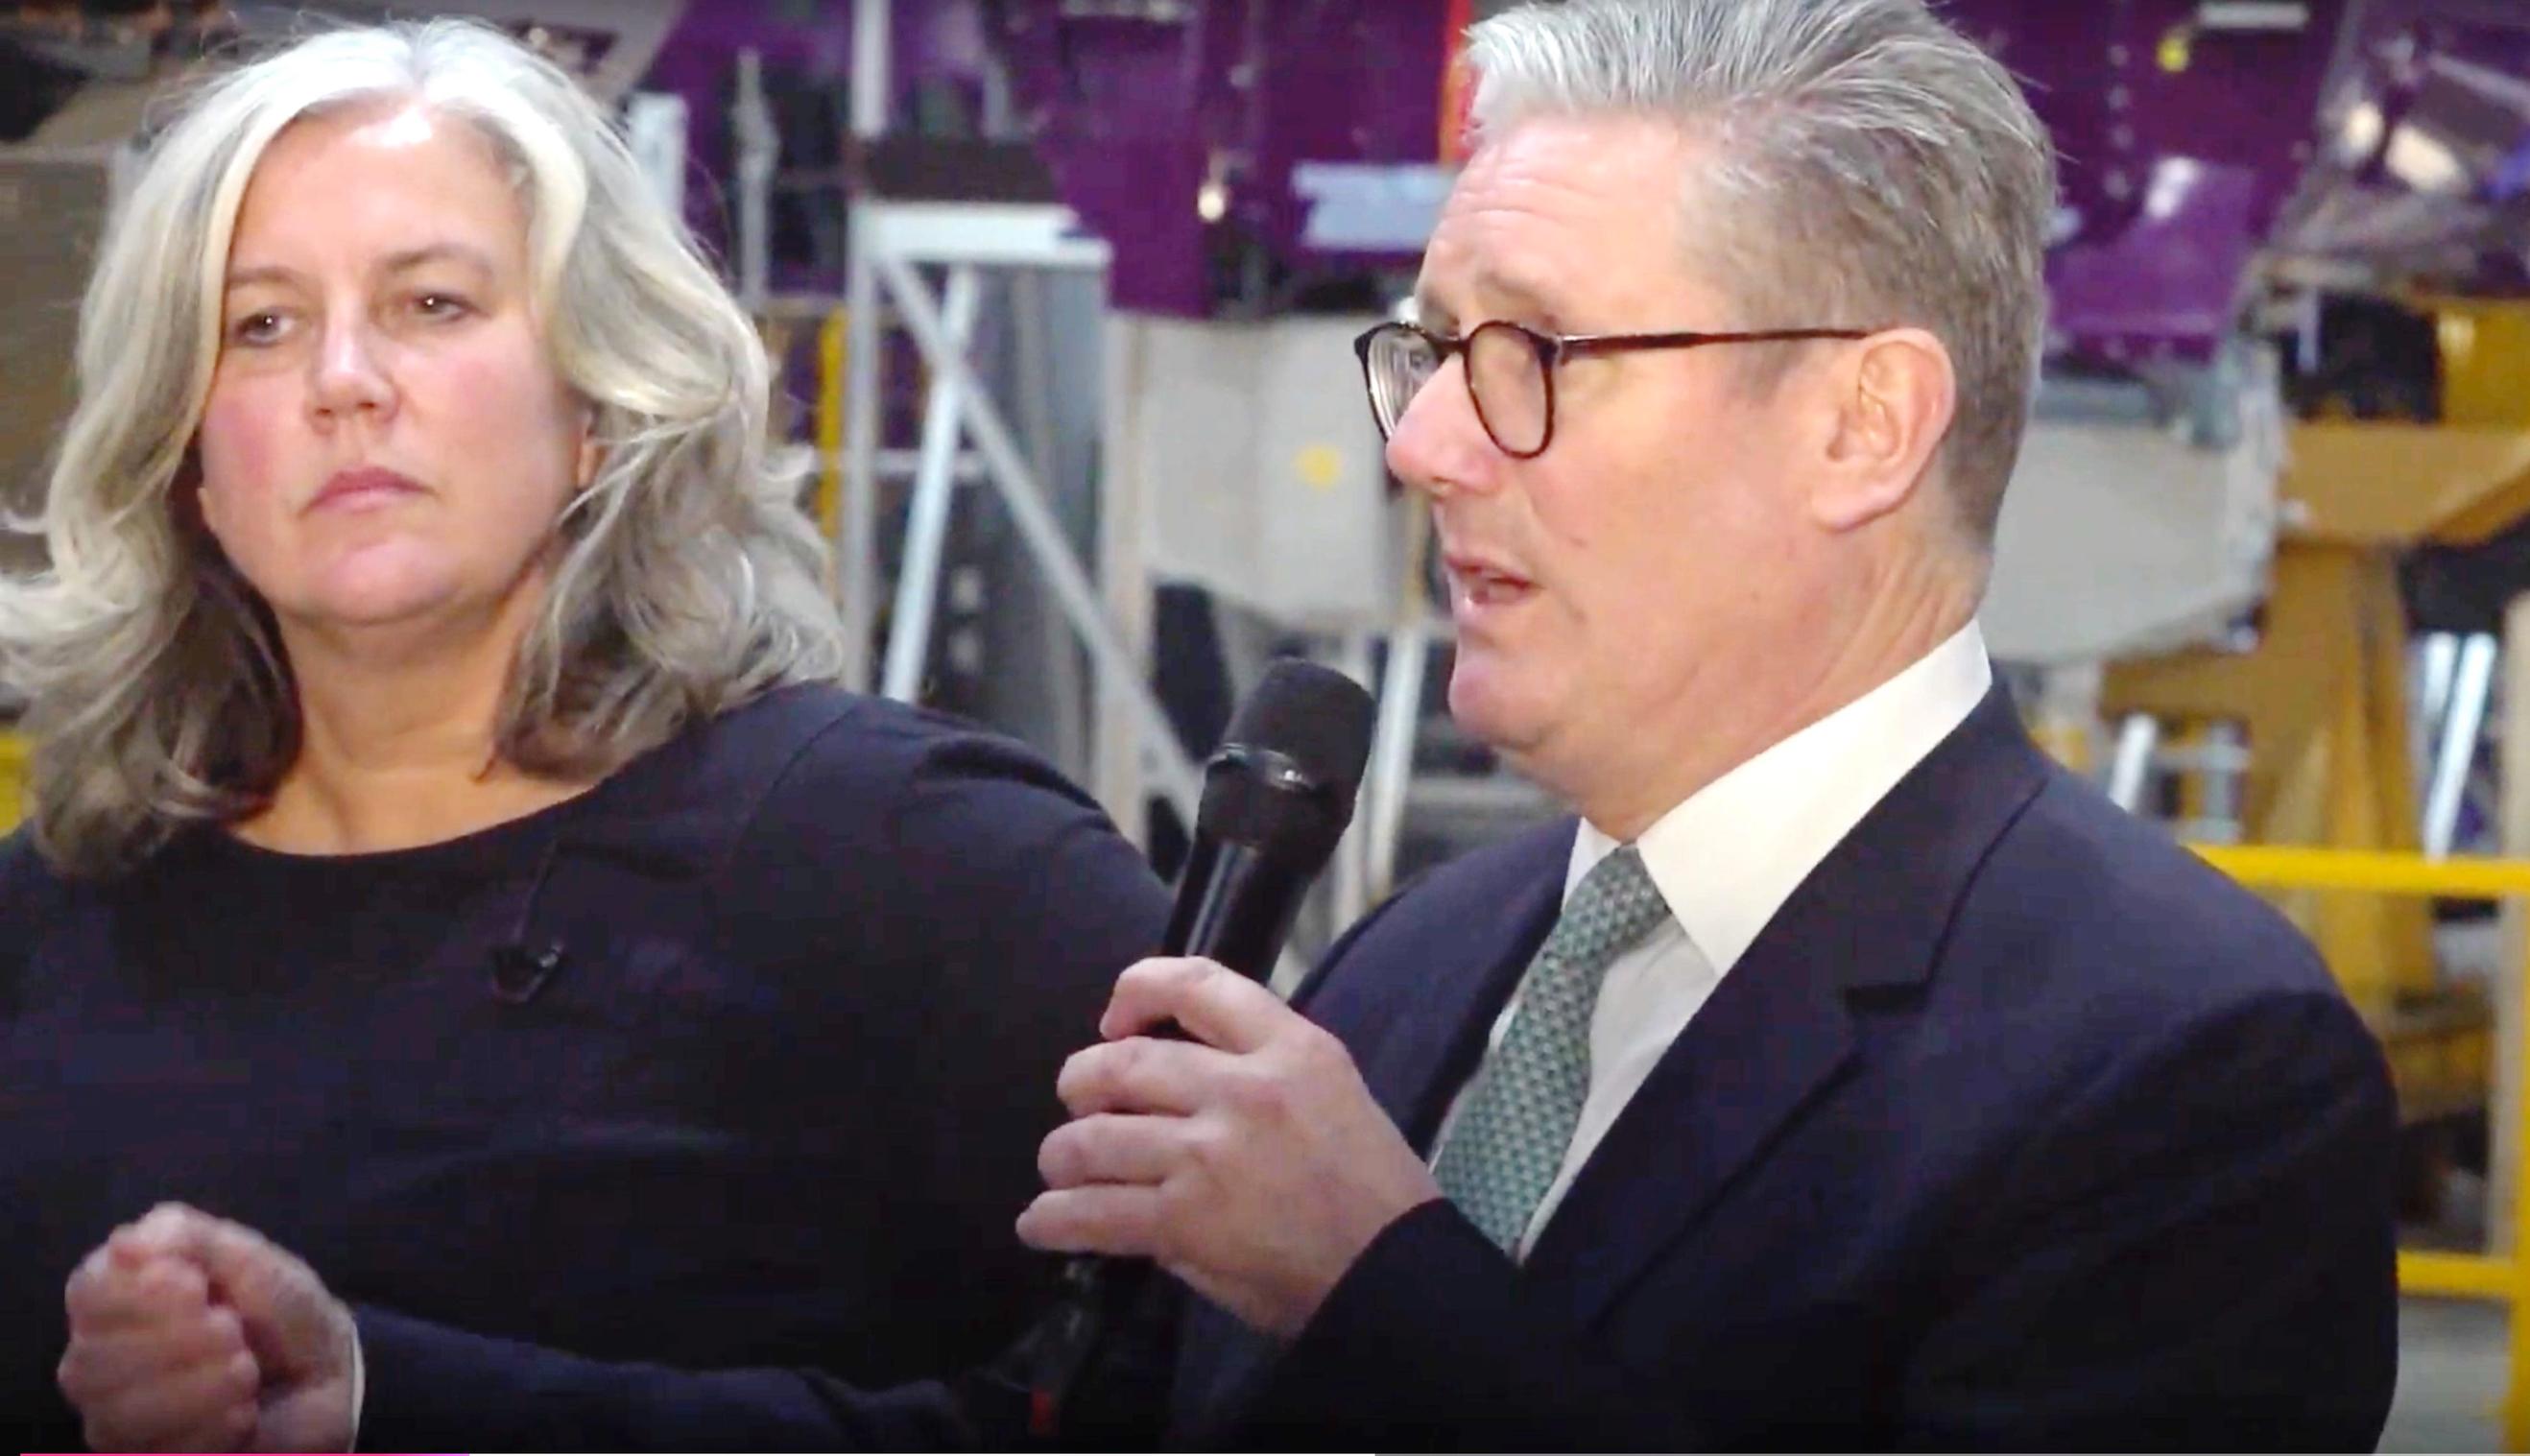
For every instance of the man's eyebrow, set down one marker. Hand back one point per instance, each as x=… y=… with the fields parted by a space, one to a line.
x=1521 y=295
x=1516 y=298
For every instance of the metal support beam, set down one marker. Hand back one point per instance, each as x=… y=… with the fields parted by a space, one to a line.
x=1392 y=752
x=871 y=66
x=1349 y=883
x=935 y=489
x=857 y=548
x=2437 y=660
x=1036 y=520
x=759 y=157
x=2130 y=771
x=2463 y=724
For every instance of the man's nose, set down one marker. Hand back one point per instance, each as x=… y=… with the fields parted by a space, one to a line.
x=1439 y=445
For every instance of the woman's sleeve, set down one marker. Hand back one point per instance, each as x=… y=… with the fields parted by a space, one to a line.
x=997 y=905
x=975 y=907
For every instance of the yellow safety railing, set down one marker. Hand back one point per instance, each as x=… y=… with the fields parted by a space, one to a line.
x=13 y=781
x=2479 y=1276
x=831 y=336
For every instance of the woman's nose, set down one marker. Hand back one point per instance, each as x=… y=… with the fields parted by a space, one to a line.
x=350 y=378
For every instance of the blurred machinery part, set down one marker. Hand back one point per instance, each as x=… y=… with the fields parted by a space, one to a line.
x=1261 y=176
x=2376 y=241
x=52 y=207
x=2244 y=180
x=609 y=44
x=2143 y=513
x=1245 y=156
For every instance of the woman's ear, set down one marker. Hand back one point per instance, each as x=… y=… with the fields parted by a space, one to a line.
x=185 y=494
x=591 y=455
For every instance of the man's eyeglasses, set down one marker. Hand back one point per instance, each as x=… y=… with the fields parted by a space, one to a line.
x=1511 y=370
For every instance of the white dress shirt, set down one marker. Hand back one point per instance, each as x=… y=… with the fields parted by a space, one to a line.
x=1728 y=858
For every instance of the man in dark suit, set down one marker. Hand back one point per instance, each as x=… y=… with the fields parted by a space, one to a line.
x=1846 y=1075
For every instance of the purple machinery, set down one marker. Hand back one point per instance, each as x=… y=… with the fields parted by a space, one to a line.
x=2359 y=142
x=2229 y=165
x=1248 y=157
x=1258 y=175
x=2227 y=162
x=1263 y=172
x=2356 y=141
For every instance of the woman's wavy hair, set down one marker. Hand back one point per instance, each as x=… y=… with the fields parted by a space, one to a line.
x=688 y=578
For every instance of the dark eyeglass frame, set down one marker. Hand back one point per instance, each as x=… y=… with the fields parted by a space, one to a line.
x=1553 y=350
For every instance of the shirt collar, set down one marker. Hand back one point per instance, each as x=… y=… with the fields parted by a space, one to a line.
x=1729 y=855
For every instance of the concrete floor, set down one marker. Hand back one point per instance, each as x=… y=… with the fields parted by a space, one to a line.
x=2451 y=1377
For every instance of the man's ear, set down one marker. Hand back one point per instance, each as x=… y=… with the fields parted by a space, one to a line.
x=1896 y=397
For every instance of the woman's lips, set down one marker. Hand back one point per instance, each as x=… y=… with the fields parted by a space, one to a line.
x=365 y=488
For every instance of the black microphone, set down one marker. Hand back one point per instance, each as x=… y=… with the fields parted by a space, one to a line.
x=1277 y=795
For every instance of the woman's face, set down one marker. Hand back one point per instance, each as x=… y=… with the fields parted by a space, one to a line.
x=386 y=443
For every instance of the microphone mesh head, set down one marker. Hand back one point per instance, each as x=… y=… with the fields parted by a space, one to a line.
x=1313 y=715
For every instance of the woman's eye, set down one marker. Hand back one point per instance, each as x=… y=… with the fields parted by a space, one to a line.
x=440 y=306
x=261 y=327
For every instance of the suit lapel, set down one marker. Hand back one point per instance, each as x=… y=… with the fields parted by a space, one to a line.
x=1774 y=1032
x=1417 y=1035
x=1417 y=1026
x=1778 y=1029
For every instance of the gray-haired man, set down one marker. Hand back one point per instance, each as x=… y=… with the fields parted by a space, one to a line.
x=1846 y=1075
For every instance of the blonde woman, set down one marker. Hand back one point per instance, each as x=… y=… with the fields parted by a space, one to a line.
x=449 y=862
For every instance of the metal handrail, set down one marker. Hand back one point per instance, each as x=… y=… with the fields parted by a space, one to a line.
x=2502 y=1278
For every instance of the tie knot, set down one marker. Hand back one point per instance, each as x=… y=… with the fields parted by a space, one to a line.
x=1615 y=905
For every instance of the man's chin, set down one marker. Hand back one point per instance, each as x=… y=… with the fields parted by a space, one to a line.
x=1506 y=720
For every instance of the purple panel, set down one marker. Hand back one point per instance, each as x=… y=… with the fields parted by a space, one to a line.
x=2180 y=147
x=932 y=39
x=2427 y=174
x=1349 y=82
x=2166 y=285
x=1122 y=118
x=2185 y=150
x=1134 y=116
x=2133 y=88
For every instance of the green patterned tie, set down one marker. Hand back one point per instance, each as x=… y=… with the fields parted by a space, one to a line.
x=1507 y=1147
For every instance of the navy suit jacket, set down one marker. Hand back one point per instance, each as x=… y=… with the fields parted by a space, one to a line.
x=2017 y=1127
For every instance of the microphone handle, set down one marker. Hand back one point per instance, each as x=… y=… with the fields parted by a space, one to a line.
x=1241 y=910
x=1236 y=908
